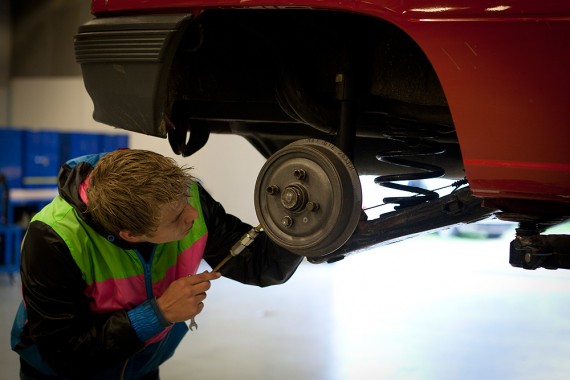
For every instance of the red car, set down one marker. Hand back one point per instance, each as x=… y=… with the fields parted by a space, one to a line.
x=332 y=90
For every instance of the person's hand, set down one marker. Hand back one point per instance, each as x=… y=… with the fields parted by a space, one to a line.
x=184 y=298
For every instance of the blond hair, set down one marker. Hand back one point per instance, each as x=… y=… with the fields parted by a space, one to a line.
x=128 y=187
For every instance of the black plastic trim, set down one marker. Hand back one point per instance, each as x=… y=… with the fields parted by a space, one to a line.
x=124 y=46
x=125 y=62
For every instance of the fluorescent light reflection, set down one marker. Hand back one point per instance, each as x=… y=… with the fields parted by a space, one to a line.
x=499 y=8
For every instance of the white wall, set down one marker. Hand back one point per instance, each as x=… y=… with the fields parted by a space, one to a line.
x=4 y=106
x=59 y=103
x=227 y=165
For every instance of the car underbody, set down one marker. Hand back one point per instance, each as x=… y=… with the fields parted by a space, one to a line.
x=326 y=97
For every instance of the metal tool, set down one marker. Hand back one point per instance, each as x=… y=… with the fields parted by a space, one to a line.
x=241 y=244
x=193 y=325
x=236 y=249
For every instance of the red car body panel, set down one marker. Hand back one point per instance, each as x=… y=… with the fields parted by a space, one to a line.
x=504 y=67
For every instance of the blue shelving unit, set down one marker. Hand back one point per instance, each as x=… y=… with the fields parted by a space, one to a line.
x=29 y=163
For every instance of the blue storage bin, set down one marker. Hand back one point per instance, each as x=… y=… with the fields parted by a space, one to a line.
x=11 y=156
x=74 y=145
x=41 y=159
x=110 y=143
x=10 y=241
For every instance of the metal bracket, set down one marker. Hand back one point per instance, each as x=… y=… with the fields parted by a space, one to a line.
x=540 y=251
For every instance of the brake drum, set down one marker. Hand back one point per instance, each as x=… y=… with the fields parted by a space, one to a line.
x=308 y=197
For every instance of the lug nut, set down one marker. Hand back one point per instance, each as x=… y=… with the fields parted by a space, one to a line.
x=272 y=190
x=299 y=174
x=287 y=221
x=312 y=206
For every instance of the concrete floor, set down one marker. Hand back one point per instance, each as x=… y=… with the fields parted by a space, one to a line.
x=426 y=308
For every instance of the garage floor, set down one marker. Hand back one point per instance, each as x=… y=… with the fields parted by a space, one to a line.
x=426 y=308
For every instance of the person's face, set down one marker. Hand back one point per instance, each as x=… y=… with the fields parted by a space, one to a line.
x=176 y=219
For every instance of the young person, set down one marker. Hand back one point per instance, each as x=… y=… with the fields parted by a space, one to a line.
x=108 y=268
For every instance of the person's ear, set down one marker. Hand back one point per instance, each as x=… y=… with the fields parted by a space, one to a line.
x=128 y=236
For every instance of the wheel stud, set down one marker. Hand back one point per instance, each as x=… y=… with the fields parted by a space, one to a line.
x=299 y=174
x=287 y=221
x=312 y=206
x=272 y=190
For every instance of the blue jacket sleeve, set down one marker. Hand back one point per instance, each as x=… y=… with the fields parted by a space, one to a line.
x=147 y=319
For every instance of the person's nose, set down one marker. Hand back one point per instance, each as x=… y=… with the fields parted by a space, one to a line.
x=190 y=215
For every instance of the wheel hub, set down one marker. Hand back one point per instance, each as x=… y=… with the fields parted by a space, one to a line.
x=308 y=197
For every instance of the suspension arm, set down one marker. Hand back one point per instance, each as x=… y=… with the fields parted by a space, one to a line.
x=456 y=208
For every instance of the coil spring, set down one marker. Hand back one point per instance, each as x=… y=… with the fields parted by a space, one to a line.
x=427 y=171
